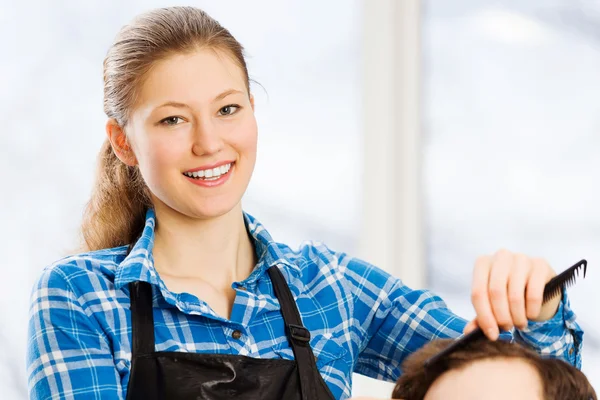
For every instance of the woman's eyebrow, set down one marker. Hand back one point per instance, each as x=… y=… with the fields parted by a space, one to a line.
x=173 y=104
x=227 y=93
x=183 y=105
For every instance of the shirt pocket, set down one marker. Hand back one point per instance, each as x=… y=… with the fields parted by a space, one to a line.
x=328 y=349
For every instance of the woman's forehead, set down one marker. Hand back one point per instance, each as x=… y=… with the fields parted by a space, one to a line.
x=199 y=76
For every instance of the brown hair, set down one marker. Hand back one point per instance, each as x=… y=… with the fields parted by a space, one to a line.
x=115 y=214
x=560 y=380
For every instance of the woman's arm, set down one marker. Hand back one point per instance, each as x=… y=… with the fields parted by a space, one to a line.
x=397 y=321
x=559 y=337
x=394 y=319
x=68 y=356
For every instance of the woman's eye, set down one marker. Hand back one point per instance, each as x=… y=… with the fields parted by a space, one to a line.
x=229 y=110
x=171 y=120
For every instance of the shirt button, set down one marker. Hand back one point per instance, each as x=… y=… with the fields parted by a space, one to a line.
x=571 y=351
x=242 y=288
x=236 y=334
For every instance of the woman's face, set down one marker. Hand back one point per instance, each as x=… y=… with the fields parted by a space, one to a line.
x=194 y=134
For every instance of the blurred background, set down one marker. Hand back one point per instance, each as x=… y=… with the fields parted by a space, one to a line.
x=424 y=133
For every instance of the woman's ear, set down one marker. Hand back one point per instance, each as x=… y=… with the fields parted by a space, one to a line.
x=119 y=143
x=252 y=101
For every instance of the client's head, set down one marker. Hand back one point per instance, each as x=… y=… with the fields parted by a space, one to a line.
x=489 y=370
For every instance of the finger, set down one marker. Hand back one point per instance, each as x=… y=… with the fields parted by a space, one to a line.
x=498 y=288
x=516 y=289
x=535 y=288
x=470 y=327
x=480 y=298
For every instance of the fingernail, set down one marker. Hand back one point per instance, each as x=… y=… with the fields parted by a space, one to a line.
x=492 y=334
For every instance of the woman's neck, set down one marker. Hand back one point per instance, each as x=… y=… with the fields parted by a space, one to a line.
x=218 y=251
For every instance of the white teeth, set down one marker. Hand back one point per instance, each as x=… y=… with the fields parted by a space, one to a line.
x=210 y=174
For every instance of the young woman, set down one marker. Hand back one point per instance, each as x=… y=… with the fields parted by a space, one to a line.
x=182 y=295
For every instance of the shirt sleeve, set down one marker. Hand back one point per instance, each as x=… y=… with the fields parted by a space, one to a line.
x=68 y=356
x=396 y=321
x=559 y=337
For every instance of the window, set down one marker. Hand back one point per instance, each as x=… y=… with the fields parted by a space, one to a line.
x=511 y=138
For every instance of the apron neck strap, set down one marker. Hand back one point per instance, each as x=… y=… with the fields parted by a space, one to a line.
x=142 y=320
x=298 y=335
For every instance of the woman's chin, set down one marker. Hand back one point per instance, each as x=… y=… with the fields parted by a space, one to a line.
x=210 y=211
x=200 y=209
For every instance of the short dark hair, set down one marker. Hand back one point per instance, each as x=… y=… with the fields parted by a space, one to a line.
x=560 y=380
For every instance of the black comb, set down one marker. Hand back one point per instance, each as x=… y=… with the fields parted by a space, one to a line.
x=552 y=288
x=563 y=280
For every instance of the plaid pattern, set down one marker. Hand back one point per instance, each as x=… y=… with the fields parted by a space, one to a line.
x=361 y=318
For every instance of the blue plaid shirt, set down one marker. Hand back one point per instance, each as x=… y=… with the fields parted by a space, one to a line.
x=361 y=318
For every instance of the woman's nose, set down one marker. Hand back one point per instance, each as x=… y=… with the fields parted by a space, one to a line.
x=207 y=139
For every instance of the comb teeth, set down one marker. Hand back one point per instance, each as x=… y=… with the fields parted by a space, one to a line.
x=564 y=280
x=552 y=293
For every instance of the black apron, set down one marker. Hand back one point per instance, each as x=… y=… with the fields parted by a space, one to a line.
x=203 y=376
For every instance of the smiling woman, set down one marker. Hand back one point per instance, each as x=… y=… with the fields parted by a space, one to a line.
x=193 y=113
x=163 y=116
x=180 y=294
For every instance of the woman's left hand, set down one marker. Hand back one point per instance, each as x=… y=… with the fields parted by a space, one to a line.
x=507 y=291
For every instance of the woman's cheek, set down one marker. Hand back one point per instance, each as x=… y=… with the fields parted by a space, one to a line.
x=248 y=136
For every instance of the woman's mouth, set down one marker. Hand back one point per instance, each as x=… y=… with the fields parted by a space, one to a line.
x=211 y=177
x=209 y=174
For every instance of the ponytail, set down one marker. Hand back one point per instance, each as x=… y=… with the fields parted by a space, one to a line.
x=115 y=214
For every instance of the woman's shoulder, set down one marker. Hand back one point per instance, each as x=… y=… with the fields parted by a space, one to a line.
x=309 y=252
x=88 y=268
x=316 y=257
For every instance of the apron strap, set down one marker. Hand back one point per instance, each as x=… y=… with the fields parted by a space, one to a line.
x=298 y=335
x=142 y=320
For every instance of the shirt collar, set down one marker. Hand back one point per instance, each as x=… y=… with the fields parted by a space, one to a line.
x=138 y=265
